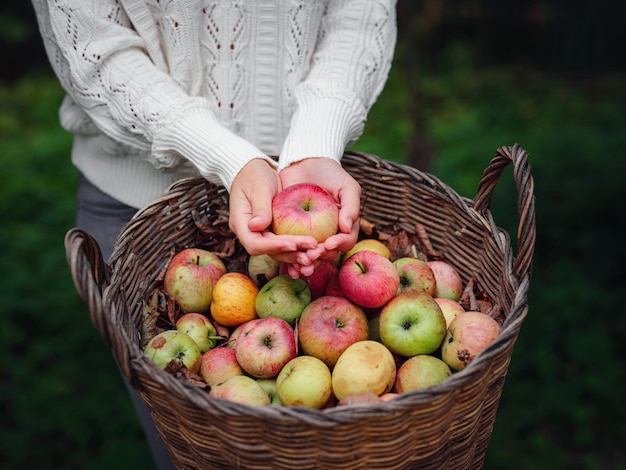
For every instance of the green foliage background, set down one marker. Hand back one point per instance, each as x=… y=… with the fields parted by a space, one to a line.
x=62 y=404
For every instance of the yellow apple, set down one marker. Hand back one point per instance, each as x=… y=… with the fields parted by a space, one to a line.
x=234 y=297
x=364 y=366
x=370 y=244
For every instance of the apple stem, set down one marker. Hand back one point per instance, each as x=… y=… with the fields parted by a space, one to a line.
x=361 y=267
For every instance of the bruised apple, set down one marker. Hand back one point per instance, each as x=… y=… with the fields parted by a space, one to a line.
x=174 y=346
x=468 y=334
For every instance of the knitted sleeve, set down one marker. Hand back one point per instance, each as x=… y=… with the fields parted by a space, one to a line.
x=120 y=82
x=348 y=71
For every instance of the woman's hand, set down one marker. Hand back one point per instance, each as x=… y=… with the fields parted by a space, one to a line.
x=330 y=175
x=250 y=202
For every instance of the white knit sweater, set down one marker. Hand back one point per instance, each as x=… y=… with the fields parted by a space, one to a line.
x=162 y=89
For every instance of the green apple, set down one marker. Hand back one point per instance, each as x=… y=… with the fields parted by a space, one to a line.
x=419 y=372
x=269 y=385
x=174 y=346
x=412 y=323
x=304 y=381
x=283 y=297
x=201 y=330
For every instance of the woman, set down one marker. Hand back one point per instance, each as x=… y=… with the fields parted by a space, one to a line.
x=158 y=90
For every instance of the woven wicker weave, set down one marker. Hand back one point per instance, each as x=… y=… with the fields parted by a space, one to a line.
x=447 y=426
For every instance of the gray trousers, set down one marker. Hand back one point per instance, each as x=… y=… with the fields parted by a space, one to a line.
x=103 y=217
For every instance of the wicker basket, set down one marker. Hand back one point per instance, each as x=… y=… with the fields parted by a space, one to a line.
x=447 y=426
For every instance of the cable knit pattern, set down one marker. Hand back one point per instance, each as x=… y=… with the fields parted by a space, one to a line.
x=162 y=89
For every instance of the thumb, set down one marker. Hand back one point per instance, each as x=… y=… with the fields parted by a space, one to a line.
x=261 y=214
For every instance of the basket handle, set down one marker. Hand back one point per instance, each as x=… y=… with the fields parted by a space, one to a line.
x=526 y=232
x=91 y=275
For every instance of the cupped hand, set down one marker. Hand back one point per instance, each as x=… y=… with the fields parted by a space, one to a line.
x=330 y=175
x=250 y=204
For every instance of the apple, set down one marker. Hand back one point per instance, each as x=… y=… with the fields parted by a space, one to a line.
x=269 y=385
x=174 y=345
x=468 y=334
x=328 y=325
x=305 y=209
x=241 y=389
x=360 y=398
x=218 y=365
x=201 y=330
x=333 y=287
x=412 y=323
x=283 y=297
x=266 y=347
x=364 y=366
x=234 y=297
x=304 y=381
x=415 y=275
x=370 y=244
x=450 y=308
x=389 y=396
x=419 y=372
x=368 y=279
x=239 y=331
x=262 y=268
x=320 y=278
x=448 y=280
x=190 y=278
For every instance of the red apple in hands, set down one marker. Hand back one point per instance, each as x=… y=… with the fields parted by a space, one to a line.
x=190 y=278
x=328 y=325
x=415 y=275
x=264 y=349
x=218 y=365
x=468 y=334
x=201 y=330
x=412 y=323
x=174 y=346
x=448 y=280
x=368 y=279
x=305 y=209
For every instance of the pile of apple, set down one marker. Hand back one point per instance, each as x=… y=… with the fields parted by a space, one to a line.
x=364 y=327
